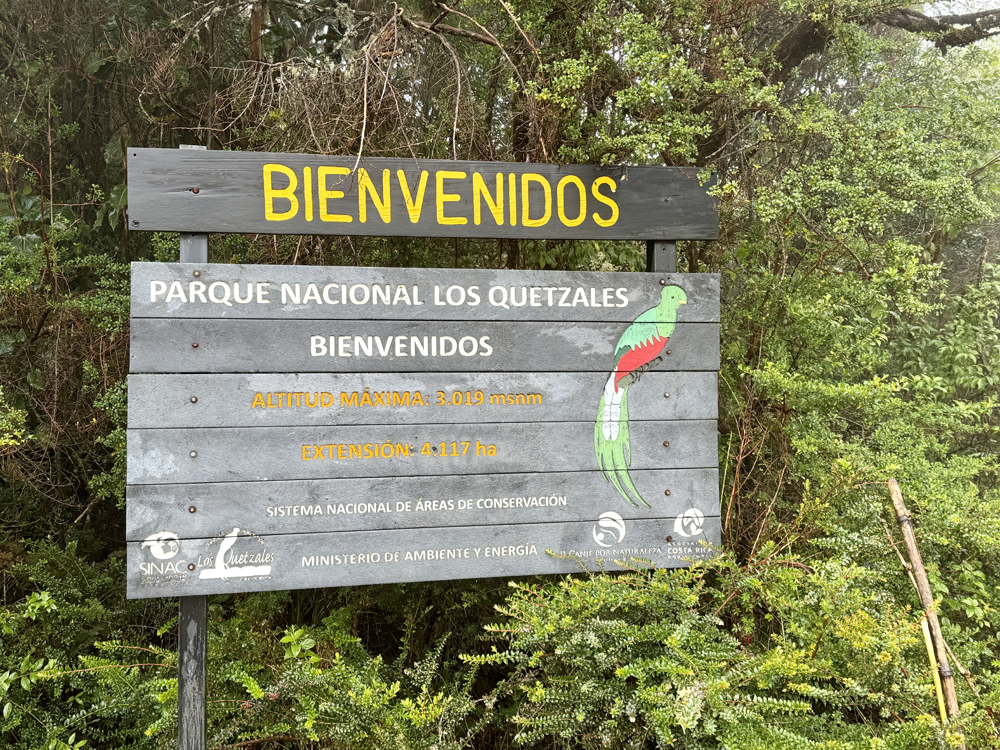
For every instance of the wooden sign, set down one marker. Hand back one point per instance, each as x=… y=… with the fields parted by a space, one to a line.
x=265 y=193
x=297 y=427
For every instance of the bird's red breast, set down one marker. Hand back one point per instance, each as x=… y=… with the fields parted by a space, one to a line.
x=638 y=356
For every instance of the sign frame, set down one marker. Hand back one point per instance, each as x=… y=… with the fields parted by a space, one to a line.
x=161 y=200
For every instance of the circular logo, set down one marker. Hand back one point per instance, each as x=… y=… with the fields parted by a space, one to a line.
x=690 y=523
x=162 y=545
x=609 y=529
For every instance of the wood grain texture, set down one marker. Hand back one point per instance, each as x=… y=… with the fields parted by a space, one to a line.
x=164 y=290
x=300 y=561
x=658 y=203
x=161 y=345
x=269 y=453
x=228 y=400
x=292 y=507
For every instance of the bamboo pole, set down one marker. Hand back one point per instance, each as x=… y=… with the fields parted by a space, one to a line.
x=926 y=599
x=934 y=671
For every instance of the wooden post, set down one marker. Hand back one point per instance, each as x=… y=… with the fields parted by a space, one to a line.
x=193 y=632
x=926 y=599
x=194 y=248
x=192 y=623
x=661 y=256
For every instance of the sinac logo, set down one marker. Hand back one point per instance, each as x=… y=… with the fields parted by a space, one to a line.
x=609 y=529
x=162 y=545
x=690 y=523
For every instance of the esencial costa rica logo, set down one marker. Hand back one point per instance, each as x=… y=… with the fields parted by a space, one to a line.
x=690 y=523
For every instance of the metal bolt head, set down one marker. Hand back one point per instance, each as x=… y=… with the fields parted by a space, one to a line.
x=197 y=274
x=194 y=345
x=666 y=443
x=668 y=351
x=666 y=395
x=194 y=399
x=666 y=492
x=670 y=539
x=190 y=566
x=194 y=454
x=135 y=222
x=195 y=190
x=192 y=509
x=663 y=282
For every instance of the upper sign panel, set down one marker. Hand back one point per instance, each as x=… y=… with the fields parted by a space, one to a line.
x=205 y=290
x=245 y=192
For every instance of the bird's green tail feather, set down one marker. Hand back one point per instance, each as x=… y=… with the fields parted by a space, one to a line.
x=614 y=456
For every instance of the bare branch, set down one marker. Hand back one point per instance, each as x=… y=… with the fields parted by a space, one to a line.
x=464 y=33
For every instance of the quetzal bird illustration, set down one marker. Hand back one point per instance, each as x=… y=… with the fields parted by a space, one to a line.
x=638 y=350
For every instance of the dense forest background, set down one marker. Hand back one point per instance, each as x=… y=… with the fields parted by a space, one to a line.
x=856 y=147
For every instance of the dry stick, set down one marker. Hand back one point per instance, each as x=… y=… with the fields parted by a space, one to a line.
x=926 y=598
x=458 y=92
x=51 y=187
x=923 y=624
x=906 y=566
x=972 y=684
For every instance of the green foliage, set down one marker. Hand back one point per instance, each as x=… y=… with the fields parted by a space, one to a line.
x=620 y=661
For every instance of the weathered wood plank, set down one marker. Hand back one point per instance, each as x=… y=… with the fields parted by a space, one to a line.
x=160 y=345
x=269 y=453
x=227 y=191
x=293 y=507
x=167 y=566
x=171 y=290
x=240 y=400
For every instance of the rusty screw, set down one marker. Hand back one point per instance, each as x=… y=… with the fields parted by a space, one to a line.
x=197 y=274
x=670 y=539
x=666 y=492
x=194 y=345
x=194 y=399
x=666 y=443
x=192 y=509
x=195 y=190
x=190 y=566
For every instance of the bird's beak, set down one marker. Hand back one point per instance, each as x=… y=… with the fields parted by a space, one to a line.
x=683 y=302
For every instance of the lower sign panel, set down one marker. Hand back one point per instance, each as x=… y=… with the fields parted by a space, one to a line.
x=241 y=560
x=336 y=505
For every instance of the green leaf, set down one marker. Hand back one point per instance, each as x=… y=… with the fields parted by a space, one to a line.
x=116 y=204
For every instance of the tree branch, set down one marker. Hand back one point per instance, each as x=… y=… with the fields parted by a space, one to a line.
x=954 y=31
x=453 y=30
x=808 y=38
